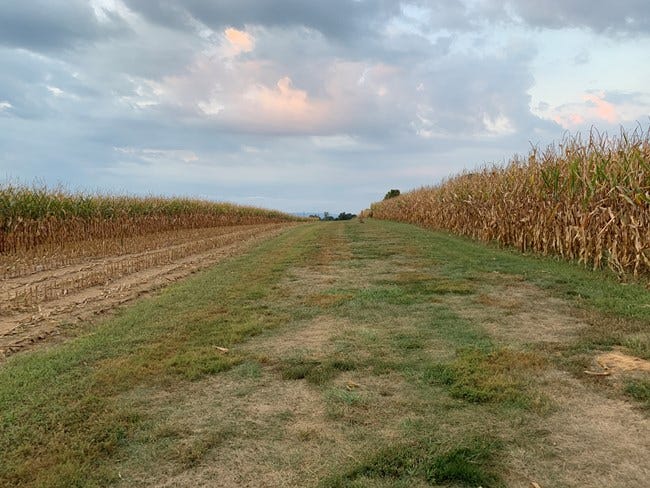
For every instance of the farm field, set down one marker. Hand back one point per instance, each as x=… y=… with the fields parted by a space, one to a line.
x=343 y=355
x=585 y=199
x=39 y=294
x=66 y=257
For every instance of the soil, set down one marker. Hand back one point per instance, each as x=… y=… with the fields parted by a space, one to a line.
x=30 y=313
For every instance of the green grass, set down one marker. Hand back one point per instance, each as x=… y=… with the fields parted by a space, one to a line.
x=498 y=376
x=315 y=371
x=469 y=464
x=639 y=389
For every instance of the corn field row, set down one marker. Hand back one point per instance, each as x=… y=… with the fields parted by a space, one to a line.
x=33 y=218
x=586 y=199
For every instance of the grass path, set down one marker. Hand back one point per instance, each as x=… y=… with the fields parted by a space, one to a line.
x=345 y=354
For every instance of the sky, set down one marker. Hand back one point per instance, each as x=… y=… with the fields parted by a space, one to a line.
x=301 y=105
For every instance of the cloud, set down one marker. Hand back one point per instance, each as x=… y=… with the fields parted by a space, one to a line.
x=156 y=155
x=624 y=17
x=284 y=102
x=338 y=19
x=583 y=57
x=603 y=110
x=241 y=40
x=48 y=25
x=331 y=103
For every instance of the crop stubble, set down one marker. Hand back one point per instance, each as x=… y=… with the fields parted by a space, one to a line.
x=39 y=293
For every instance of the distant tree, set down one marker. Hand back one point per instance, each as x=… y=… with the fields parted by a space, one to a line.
x=345 y=216
x=391 y=194
x=327 y=216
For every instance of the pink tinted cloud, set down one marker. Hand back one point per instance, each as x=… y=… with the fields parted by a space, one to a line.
x=603 y=109
x=284 y=103
x=569 y=120
x=240 y=40
x=594 y=108
x=261 y=96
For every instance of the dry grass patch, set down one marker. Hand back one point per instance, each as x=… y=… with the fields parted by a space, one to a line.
x=590 y=440
x=618 y=362
x=233 y=430
x=313 y=338
x=521 y=313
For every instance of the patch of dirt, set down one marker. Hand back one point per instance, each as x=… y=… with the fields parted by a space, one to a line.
x=21 y=329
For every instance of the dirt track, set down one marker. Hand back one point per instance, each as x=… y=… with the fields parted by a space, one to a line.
x=34 y=305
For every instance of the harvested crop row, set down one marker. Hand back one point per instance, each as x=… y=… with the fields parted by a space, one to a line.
x=587 y=200
x=30 y=263
x=19 y=329
x=30 y=292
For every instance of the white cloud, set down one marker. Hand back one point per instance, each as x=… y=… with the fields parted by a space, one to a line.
x=598 y=108
x=57 y=92
x=159 y=155
x=498 y=125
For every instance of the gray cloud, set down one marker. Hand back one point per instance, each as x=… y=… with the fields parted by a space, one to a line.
x=342 y=19
x=623 y=17
x=47 y=25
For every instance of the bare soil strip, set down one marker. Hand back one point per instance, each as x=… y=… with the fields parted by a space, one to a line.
x=33 y=307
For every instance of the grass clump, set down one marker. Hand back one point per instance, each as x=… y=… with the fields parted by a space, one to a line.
x=195 y=364
x=471 y=463
x=639 y=389
x=316 y=372
x=480 y=376
x=189 y=454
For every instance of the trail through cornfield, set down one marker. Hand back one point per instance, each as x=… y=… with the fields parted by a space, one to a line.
x=351 y=354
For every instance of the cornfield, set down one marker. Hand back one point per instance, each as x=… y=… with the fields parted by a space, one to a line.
x=65 y=257
x=41 y=218
x=586 y=199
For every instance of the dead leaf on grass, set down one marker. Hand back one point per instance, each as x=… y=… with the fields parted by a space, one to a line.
x=351 y=385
